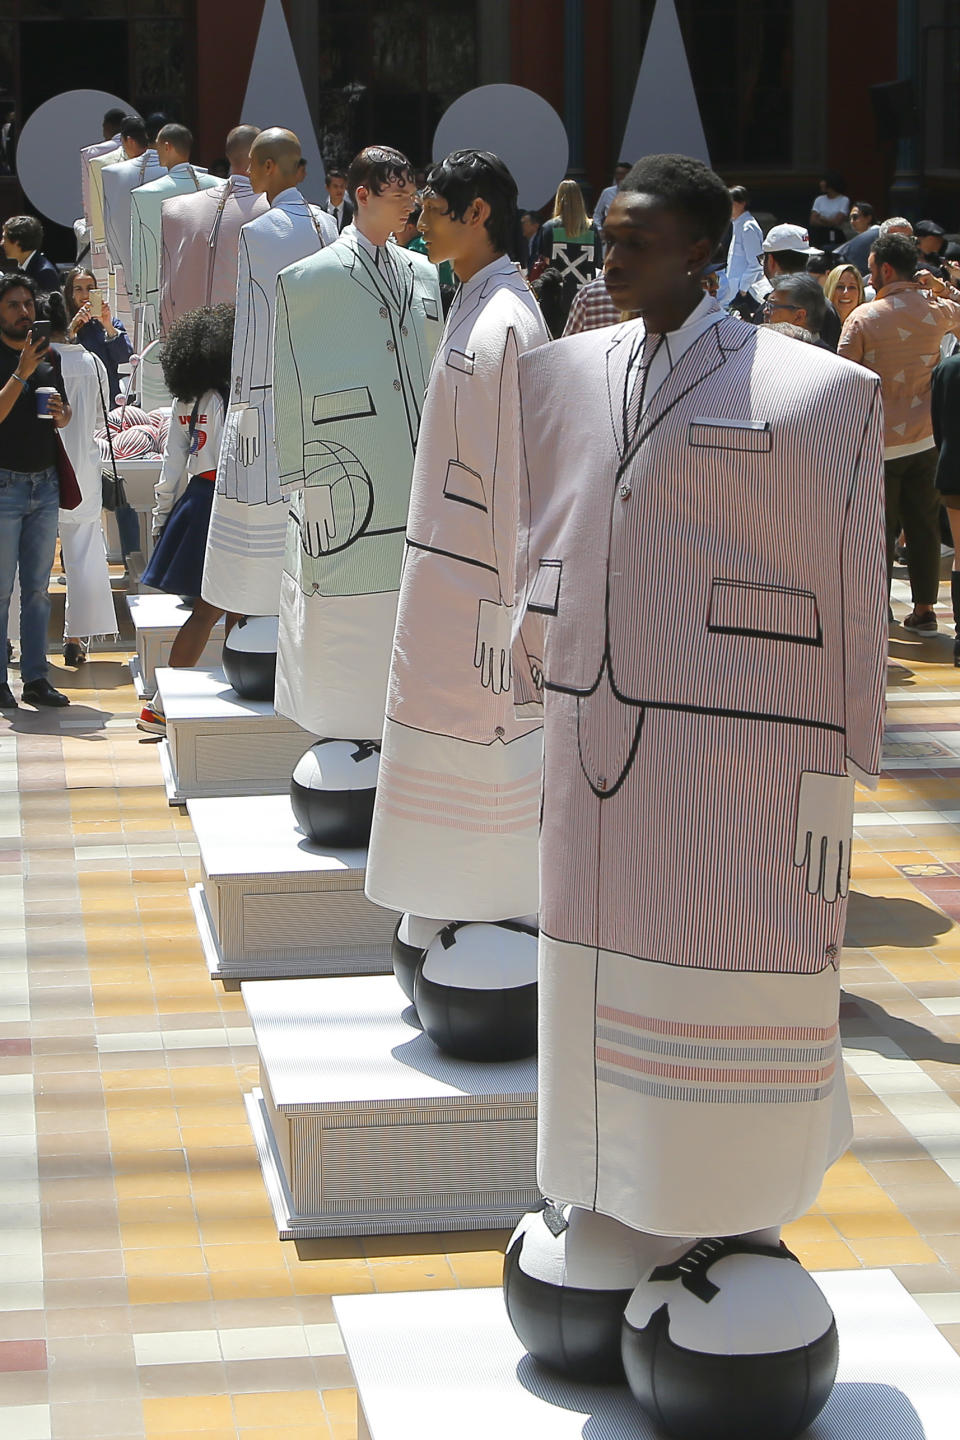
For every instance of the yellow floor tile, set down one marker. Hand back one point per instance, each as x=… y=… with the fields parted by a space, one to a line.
x=894 y=1251
x=193 y=1414
x=256 y=1285
x=216 y=1137
x=434 y=1274
x=153 y=1183
x=167 y=1289
x=169 y=1234
x=874 y=1226
x=332 y=1277
x=182 y=1260
x=295 y=1407
x=827 y=1255
x=320 y=1431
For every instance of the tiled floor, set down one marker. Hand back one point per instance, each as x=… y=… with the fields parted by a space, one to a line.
x=143 y=1292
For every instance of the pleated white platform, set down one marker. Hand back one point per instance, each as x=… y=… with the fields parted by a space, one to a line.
x=364 y=1128
x=156 y=620
x=218 y=744
x=272 y=904
x=467 y=1374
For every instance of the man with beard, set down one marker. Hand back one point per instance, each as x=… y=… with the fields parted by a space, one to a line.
x=29 y=492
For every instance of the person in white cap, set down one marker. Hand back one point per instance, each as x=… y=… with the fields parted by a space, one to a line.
x=786 y=251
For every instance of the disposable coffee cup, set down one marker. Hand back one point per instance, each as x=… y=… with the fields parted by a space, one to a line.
x=44 y=393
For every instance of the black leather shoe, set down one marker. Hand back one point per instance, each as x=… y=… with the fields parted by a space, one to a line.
x=8 y=701
x=41 y=692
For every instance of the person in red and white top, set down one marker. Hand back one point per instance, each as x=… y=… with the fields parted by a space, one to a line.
x=196 y=367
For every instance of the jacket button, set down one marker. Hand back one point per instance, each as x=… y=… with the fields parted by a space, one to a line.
x=625 y=492
x=383 y=312
x=404 y=330
x=397 y=385
x=390 y=346
x=499 y=732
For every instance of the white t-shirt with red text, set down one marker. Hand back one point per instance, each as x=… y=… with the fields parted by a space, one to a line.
x=188 y=453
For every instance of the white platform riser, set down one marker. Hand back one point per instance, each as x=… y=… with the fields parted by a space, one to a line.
x=363 y=1127
x=286 y=932
x=156 y=622
x=898 y=1380
x=229 y=757
x=320 y=1164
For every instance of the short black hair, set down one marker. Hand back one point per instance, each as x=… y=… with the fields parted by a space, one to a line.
x=740 y=195
x=375 y=167
x=818 y=263
x=114 y=116
x=178 y=136
x=468 y=175
x=25 y=231
x=133 y=128
x=334 y=173
x=834 y=180
x=687 y=187
x=17 y=280
x=864 y=207
x=897 y=251
x=791 y=262
x=155 y=122
x=196 y=355
x=53 y=307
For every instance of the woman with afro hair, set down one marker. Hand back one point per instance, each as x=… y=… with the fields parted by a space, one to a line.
x=196 y=358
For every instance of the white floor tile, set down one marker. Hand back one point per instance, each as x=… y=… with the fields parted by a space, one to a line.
x=269 y=1342
x=26 y=1422
x=176 y=1347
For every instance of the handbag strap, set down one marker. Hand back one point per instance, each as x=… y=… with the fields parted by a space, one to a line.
x=106 y=421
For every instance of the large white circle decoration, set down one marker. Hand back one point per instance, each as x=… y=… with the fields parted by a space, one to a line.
x=516 y=124
x=48 y=151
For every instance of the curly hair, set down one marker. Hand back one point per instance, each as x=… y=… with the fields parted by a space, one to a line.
x=466 y=175
x=196 y=354
x=688 y=188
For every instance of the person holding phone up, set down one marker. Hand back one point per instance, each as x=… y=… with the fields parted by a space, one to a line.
x=33 y=405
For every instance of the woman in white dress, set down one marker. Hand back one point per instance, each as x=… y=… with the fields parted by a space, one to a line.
x=89 y=609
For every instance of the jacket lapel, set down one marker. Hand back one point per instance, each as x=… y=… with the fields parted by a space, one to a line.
x=705 y=356
x=625 y=341
x=366 y=274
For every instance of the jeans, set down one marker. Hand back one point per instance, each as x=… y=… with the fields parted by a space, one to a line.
x=913 y=502
x=29 y=506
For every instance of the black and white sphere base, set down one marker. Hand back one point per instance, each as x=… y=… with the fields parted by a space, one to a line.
x=722 y=1339
x=411 y=939
x=475 y=990
x=566 y=1297
x=249 y=657
x=332 y=791
x=734 y=1341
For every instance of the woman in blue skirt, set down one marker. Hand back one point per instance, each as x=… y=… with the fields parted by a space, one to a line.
x=196 y=358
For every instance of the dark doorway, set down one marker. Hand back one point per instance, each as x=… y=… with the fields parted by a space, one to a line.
x=59 y=55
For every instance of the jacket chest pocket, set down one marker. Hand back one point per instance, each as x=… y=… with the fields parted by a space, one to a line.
x=753 y=436
x=544 y=597
x=764 y=612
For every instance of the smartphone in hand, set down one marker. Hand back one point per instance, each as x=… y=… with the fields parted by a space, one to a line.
x=40 y=330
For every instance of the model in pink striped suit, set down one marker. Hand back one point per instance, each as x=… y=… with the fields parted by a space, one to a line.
x=703 y=541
